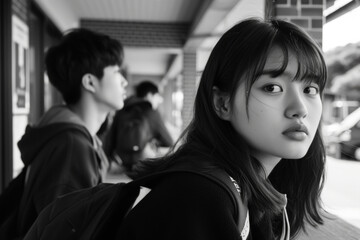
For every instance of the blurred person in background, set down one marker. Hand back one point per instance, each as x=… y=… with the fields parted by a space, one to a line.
x=138 y=130
x=62 y=153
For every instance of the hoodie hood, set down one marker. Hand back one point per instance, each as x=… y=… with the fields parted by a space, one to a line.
x=59 y=114
x=55 y=121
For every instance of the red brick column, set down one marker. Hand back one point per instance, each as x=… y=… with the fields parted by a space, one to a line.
x=307 y=14
x=189 y=86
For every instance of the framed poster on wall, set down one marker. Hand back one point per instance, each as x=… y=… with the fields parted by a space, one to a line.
x=20 y=66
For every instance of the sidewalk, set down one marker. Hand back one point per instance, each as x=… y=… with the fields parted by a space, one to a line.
x=334 y=228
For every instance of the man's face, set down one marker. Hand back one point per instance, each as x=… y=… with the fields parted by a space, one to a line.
x=110 y=90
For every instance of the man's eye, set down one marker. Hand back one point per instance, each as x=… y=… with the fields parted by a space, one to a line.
x=272 y=88
x=311 y=90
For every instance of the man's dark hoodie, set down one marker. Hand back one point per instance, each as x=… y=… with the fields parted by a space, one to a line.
x=61 y=156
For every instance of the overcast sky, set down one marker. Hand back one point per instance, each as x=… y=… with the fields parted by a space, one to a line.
x=342 y=30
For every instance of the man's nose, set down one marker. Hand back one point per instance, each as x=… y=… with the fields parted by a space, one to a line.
x=124 y=82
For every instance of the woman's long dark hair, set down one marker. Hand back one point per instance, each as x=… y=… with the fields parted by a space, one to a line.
x=240 y=56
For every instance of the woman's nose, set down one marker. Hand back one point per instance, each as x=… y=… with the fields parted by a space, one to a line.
x=296 y=107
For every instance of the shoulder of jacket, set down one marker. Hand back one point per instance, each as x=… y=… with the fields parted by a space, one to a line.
x=75 y=130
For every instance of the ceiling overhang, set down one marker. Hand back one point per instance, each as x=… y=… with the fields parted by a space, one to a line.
x=208 y=19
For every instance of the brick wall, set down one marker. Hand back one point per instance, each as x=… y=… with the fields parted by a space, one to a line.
x=189 y=86
x=306 y=13
x=141 y=34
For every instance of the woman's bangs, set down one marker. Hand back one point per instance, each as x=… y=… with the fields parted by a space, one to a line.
x=311 y=66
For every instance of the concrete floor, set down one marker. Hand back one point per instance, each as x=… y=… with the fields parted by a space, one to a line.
x=334 y=228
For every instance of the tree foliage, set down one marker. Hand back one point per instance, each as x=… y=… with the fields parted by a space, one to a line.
x=344 y=69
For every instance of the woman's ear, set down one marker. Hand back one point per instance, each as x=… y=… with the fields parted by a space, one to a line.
x=221 y=102
x=88 y=82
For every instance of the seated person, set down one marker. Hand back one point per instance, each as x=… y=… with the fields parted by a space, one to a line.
x=138 y=131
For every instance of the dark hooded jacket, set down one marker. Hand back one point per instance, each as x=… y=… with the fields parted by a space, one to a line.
x=61 y=156
x=156 y=132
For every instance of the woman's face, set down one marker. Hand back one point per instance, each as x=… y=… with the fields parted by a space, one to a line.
x=283 y=113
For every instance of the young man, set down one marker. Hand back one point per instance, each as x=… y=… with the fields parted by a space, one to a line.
x=128 y=148
x=61 y=152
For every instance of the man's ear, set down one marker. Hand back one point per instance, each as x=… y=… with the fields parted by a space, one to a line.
x=221 y=102
x=88 y=82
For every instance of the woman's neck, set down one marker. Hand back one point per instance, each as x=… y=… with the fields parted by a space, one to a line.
x=268 y=162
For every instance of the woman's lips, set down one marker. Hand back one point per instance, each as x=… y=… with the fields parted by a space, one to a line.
x=297 y=132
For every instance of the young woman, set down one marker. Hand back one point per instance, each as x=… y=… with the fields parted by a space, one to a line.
x=257 y=115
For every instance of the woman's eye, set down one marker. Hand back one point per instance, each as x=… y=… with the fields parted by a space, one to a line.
x=272 y=88
x=311 y=90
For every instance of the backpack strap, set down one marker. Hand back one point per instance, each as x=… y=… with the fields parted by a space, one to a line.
x=216 y=175
x=233 y=188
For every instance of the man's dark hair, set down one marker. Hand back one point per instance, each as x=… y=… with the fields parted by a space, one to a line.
x=80 y=52
x=146 y=87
